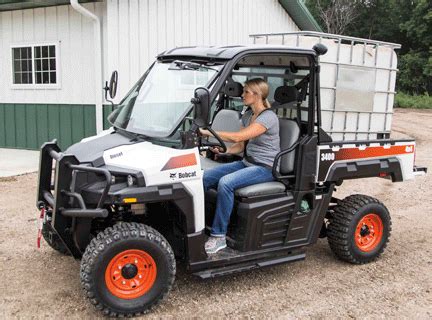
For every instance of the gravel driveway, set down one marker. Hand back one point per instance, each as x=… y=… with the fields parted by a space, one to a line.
x=42 y=283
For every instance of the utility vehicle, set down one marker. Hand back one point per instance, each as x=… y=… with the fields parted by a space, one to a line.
x=130 y=203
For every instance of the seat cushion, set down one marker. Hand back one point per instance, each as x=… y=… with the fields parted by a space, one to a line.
x=261 y=189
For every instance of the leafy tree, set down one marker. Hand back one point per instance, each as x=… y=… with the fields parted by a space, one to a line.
x=418 y=60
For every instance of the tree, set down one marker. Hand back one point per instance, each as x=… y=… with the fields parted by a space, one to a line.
x=418 y=61
x=408 y=23
x=337 y=14
x=334 y=15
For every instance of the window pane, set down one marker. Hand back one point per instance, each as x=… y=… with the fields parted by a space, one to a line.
x=25 y=78
x=45 y=64
x=53 y=77
x=45 y=77
x=16 y=53
x=37 y=52
x=52 y=64
x=23 y=65
x=38 y=77
x=29 y=54
x=17 y=66
x=45 y=51
x=38 y=65
x=17 y=78
x=52 y=51
x=29 y=65
x=24 y=53
x=30 y=78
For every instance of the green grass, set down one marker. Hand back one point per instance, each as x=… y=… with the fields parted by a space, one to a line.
x=403 y=100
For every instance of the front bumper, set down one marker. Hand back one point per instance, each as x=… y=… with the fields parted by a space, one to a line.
x=57 y=171
x=58 y=195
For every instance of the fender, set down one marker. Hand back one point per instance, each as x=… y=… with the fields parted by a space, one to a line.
x=366 y=168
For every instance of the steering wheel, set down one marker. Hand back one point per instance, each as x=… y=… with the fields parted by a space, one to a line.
x=206 y=145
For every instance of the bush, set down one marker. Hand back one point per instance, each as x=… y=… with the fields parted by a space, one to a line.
x=403 y=100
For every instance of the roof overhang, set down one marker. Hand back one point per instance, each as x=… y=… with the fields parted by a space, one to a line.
x=9 y=5
x=301 y=15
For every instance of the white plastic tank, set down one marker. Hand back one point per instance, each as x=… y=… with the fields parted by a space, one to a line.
x=358 y=78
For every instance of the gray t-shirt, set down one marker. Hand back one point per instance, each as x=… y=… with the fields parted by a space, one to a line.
x=263 y=149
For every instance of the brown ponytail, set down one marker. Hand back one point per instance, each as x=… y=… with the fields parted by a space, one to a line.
x=266 y=103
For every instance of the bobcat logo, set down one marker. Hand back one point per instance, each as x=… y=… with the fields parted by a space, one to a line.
x=173 y=175
x=116 y=155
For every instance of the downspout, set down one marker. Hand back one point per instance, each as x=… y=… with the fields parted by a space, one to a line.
x=98 y=62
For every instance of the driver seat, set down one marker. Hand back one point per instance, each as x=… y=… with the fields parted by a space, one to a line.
x=289 y=133
x=225 y=120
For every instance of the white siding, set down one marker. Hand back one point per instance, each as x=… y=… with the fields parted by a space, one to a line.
x=140 y=29
x=73 y=32
x=134 y=32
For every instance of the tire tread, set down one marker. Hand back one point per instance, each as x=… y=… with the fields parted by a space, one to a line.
x=338 y=233
x=122 y=231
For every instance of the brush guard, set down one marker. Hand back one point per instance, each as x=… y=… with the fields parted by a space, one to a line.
x=56 y=198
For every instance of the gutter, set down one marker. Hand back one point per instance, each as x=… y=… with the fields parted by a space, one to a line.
x=301 y=15
x=98 y=62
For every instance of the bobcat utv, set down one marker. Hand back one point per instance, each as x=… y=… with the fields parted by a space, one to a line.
x=130 y=203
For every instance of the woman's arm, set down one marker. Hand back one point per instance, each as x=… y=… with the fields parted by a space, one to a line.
x=250 y=132
x=236 y=148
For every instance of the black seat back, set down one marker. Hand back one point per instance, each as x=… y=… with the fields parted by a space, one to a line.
x=284 y=95
x=289 y=133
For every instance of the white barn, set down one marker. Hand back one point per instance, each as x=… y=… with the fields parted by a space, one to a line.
x=56 y=54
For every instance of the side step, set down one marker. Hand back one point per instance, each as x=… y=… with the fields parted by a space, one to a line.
x=245 y=266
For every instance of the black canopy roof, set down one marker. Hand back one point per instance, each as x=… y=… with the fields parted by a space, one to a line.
x=229 y=52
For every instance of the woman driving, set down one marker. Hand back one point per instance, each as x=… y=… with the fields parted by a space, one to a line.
x=259 y=140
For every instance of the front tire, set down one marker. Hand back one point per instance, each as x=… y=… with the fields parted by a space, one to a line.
x=127 y=269
x=359 y=229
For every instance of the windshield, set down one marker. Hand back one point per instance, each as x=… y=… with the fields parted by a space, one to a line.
x=160 y=101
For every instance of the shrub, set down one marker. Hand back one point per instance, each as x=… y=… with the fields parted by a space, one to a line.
x=403 y=100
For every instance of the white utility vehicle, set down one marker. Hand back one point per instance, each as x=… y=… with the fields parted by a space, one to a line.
x=130 y=202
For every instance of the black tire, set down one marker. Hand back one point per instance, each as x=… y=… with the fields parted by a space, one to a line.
x=104 y=250
x=54 y=241
x=347 y=230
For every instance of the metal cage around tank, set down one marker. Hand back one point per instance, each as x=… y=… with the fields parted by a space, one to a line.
x=358 y=78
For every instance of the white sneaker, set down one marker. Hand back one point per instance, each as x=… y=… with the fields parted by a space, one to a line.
x=215 y=244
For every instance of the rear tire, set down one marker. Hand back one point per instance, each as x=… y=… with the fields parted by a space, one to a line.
x=359 y=229
x=127 y=269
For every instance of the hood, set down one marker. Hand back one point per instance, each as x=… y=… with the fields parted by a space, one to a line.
x=91 y=150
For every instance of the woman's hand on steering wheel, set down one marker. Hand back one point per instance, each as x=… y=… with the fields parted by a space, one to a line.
x=219 y=145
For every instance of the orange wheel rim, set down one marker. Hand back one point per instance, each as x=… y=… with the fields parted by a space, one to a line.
x=130 y=274
x=369 y=232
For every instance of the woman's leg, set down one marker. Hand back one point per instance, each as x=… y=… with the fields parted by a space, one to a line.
x=226 y=187
x=212 y=176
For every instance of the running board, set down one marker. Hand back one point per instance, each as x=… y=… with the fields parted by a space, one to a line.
x=223 y=271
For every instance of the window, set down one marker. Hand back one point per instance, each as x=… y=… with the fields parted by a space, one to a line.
x=35 y=65
x=22 y=61
x=276 y=76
